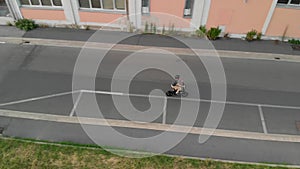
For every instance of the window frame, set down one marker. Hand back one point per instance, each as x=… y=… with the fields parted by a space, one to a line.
x=91 y=8
x=191 y=8
x=43 y=6
x=288 y=4
x=148 y=13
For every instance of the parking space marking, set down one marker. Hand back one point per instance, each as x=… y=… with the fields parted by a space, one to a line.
x=38 y=98
x=165 y=111
x=263 y=122
x=75 y=104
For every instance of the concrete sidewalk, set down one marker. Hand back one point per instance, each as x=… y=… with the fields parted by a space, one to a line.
x=134 y=48
x=264 y=46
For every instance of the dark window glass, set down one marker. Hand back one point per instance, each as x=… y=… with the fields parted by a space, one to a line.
x=57 y=2
x=145 y=3
x=25 y=2
x=189 y=4
x=283 y=1
x=46 y=2
x=120 y=4
x=108 y=4
x=295 y=2
x=35 y=2
x=188 y=7
x=96 y=4
x=84 y=3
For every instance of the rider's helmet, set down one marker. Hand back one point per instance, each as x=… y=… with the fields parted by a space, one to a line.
x=177 y=77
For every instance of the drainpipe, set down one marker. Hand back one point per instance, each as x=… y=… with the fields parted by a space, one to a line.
x=13 y=9
x=127 y=9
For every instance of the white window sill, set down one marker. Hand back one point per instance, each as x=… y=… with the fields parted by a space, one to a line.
x=42 y=7
x=113 y=11
x=291 y=6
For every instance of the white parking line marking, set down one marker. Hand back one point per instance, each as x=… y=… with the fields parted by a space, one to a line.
x=262 y=119
x=2 y=42
x=75 y=104
x=165 y=111
x=194 y=99
x=37 y=98
x=148 y=96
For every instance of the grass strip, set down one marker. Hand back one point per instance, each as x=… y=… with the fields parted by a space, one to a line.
x=24 y=153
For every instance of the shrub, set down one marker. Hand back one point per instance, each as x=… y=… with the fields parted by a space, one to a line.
x=43 y=26
x=251 y=35
x=213 y=33
x=226 y=35
x=294 y=41
x=146 y=27
x=26 y=24
x=87 y=27
x=201 y=32
x=258 y=36
x=163 y=30
x=9 y=23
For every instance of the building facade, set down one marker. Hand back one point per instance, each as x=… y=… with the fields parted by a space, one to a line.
x=274 y=18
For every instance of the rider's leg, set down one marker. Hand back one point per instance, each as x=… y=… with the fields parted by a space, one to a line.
x=178 y=90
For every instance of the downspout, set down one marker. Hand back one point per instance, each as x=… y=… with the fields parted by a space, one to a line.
x=73 y=13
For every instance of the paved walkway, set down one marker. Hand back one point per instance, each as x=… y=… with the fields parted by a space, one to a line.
x=150 y=40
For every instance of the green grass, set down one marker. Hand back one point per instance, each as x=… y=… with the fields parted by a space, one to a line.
x=21 y=153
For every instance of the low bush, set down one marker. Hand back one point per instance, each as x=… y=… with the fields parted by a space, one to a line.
x=9 y=23
x=213 y=33
x=258 y=36
x=26 y=24
x=251 y=35
x=201 y=32
x=294 y=41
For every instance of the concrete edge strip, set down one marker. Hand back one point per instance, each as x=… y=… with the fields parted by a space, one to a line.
x=130 y=48
x=152 y=126
x=149 y=153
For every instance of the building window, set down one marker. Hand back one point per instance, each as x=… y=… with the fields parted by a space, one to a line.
x=188 y=9
x=145 y=6
x=53 y=3
x=103 y=4
x=289 y=2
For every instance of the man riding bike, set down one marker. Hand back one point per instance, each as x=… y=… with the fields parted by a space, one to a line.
x=178 y=84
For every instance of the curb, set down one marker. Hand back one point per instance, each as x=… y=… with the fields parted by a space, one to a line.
x=134 y=48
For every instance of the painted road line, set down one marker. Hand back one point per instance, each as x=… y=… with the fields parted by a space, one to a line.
x=262 y=119
x=75 y=104
x=194 y=99
x=102 y=92
x=152 y=96
x=2 y=42
x=165 y=111
x=37 y=98
x=152 y=126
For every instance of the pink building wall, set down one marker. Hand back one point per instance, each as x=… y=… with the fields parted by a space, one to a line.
x=100 y=17
x=285 y=18
x=169 y=12
x=43 y=14
x=238 y=16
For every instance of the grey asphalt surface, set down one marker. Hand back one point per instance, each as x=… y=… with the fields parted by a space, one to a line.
x=149 y=40
x=32 y=71
x=215 y=147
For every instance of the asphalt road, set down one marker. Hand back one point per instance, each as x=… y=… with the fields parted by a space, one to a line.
x=33 y=71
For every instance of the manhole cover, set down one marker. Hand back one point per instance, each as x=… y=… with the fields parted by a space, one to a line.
x=1 y=130
x=298 y=125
